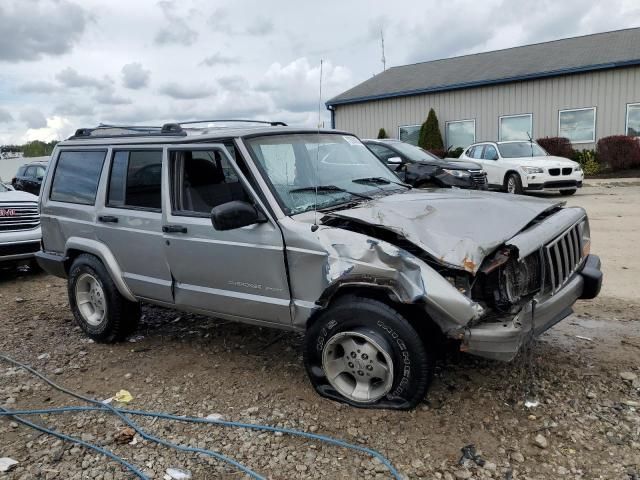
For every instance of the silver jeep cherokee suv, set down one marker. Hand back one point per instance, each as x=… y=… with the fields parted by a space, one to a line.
x=306 y=230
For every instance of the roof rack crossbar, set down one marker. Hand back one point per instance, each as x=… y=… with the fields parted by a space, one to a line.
x=263 y=122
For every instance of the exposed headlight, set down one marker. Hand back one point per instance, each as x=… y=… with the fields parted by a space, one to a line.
x=531 y=170
x=456 y=173
x=578 y=168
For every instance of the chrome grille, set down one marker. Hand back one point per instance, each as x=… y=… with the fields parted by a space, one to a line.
x=18 y=216
x=563 y=257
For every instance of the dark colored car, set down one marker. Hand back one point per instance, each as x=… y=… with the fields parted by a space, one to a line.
x=420 y=168
x=29 y=177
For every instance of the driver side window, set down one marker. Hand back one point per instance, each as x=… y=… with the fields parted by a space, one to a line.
x=383 y=153
x=490 y=153
x=202 y=180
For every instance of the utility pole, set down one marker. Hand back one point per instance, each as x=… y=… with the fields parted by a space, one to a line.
x=384 y=60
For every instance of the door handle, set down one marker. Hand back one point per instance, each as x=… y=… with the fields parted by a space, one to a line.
x=108 y=219
x=174 y=229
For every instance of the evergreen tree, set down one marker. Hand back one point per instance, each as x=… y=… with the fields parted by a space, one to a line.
x=430 y=137
x=382 y=133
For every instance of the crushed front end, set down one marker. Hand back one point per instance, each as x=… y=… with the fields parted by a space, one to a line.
x=531 y=284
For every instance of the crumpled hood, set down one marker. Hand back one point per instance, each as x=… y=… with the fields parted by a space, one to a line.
x=457 y=227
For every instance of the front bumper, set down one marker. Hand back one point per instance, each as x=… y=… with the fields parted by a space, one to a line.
x=502 y=340
x=19 y=244
x=470 y=182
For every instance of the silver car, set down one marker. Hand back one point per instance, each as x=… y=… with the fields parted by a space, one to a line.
x=306 y=230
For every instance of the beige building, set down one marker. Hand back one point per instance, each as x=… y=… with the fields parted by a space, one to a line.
x=583 y=88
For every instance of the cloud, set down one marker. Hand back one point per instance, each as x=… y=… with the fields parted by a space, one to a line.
x=5 y=116
x=181 y=91
x=31 y=30
x=260 y=27
x=55 y=128
x=70 y=78
x=177 y=31
x=33 y=118
x=295 y=86
x=233 y=83
x=219 y=59
x=134 y=76
x=38 y=87
x=219 y=21
x=108 y=96
x=74 y=110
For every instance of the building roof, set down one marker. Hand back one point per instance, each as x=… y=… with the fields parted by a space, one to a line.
x=559 y=57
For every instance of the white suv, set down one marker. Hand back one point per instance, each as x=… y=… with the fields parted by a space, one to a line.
x=517 y=166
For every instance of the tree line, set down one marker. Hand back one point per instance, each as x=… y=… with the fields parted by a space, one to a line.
x=36 y=148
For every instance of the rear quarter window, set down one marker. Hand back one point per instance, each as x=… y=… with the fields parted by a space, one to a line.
x=76 y=176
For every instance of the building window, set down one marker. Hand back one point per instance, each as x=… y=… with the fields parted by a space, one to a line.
x=409 y=133
x=633 y=119
x=578 y=125
x=460 y=133
x=516 y=127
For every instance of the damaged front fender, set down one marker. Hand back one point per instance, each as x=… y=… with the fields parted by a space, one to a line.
x=346 y=258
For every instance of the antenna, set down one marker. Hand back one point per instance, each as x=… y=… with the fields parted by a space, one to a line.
x=384 y=60
x=530 y=143
x=314 y=227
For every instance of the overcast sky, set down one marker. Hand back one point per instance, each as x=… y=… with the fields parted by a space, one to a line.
x=66 y=64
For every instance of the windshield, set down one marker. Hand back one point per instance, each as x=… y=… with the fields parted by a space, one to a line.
x=296 y=163
x=521 y=149
x=414 y=153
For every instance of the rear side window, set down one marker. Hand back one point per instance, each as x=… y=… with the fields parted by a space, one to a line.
x=76 y=176
x=136 y=179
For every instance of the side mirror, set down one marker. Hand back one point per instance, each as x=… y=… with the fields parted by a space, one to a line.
x=235 y=214
x=394 y=161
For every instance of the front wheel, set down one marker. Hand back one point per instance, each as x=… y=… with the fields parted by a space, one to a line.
x=566 y=193
x=513 y=184
x=363 y=352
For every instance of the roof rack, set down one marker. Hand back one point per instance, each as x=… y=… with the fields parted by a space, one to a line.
x=263 y=122
x=175 y=129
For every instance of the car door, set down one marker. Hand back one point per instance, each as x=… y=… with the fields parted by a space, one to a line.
x=39 y=177
x=130 y=221
x=28 y=181
x=491 y=163
x=237 y=273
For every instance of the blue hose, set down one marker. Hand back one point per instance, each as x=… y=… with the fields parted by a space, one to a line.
x=122 y=413
x=71 y=439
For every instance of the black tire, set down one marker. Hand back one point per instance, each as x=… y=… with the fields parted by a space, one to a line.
x=566 y=193
x=412 y=360
x=121 y=315
x=517 y=183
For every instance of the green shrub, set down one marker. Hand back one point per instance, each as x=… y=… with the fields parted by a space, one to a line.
x=558 y=146
x=430 y=136
x=382 y=133
x=589 y=162
x=455 y=152
x=619 y=152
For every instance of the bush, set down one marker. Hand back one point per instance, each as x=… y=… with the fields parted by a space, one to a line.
x=589 y=161
x=619 y=152
x=430 y=137
x=558 y=146
x=382 y=133
x=438 y=152
x=455 y=152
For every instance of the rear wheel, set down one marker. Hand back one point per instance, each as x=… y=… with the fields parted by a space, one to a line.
x=363 y=352
x=513 y=184
x=566 y=193
x=97 y=305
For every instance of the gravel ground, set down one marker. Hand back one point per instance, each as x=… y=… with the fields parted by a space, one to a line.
x=585 y=373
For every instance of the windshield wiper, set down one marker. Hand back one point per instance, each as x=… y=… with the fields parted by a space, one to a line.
x=329 y=188
x=379 y=181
